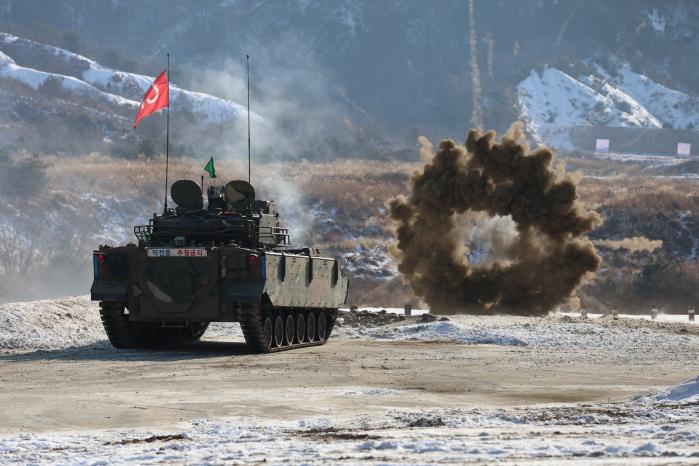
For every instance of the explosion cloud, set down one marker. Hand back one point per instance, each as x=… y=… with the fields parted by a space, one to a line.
x=540 y=260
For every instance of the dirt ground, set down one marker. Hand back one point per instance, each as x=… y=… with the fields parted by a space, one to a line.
x=97 y=387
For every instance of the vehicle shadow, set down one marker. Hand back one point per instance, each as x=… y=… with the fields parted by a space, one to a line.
x=103 y=351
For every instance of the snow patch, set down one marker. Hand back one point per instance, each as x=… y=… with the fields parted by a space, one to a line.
x=632 y=113
x=424 y=436
x=369 y=392
x=5 y=60
x=657 y=20
x=50 y=324
x=69 y=322
x=612 y=341
x=688 y=391
x=447 y=332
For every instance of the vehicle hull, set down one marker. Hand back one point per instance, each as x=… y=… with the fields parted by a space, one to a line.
x=214 y=287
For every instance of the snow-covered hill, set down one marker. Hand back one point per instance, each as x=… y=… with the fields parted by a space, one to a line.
x=551 y=102
x=672 y=108
x=56 y=101
x=554 y=97
x=36 y=78
x=84 y=76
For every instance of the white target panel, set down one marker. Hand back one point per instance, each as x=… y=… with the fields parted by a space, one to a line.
x=602 y=146
x=684 y=148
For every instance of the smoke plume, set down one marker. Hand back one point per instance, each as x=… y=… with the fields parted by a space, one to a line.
x=490 y=50
x=635 y=244
x=477 y=113
x=535 y=226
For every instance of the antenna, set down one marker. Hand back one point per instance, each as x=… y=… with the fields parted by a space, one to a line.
x=247 y=63
x=167 y=131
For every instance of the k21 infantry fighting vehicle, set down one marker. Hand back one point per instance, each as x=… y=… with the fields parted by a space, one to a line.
x=229 y=262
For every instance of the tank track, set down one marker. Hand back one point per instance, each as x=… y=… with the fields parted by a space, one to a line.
x=252 y=318
x=116 y=325
x=124 y=334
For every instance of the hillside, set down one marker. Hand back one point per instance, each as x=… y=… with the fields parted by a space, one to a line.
x=339 y=207
x=349 y=78
x=403 y=67
x=51 y=88
x=119 y=87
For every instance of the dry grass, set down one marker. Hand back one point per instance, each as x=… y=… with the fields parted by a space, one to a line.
x=643 y=192
x=352 y=182
x=355 y=191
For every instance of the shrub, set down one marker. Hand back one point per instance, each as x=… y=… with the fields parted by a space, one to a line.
x=146 y=148
x=21 y=175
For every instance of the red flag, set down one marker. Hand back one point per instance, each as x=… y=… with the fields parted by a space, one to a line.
x=156 y=97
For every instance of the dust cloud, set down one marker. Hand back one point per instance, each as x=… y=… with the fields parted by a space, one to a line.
x=635 y=244
x=505 y=192
x=291 y=92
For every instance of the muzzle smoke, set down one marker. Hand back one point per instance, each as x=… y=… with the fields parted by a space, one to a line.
x=535 y=228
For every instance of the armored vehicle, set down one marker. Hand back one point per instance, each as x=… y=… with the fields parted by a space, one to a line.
x=231 y=261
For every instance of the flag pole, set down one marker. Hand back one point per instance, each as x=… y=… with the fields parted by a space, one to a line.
x=247 y=63
x=167 y=131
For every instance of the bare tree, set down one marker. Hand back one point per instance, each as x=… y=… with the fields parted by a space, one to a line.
x=20 y=244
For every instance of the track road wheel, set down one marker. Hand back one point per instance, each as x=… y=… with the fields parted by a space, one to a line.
x=196 y=330
x=269 y=334
x=290 y=329
x=124 y=334
x=116 y=325
x=322 y=326
x=301 y=328
x=257 y=330
x=278 y=331
x=311 y=327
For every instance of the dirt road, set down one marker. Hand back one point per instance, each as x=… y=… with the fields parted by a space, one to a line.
x=94 y=386
x=470 y=389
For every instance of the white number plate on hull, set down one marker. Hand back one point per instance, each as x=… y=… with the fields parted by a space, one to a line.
x=176 y=252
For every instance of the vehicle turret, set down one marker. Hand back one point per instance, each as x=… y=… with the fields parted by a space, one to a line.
x=232 y=217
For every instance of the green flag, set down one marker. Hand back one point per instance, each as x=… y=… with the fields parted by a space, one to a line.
x=209 y=168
